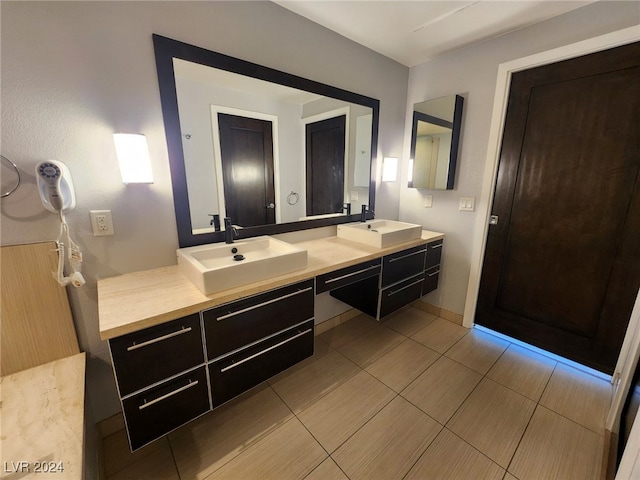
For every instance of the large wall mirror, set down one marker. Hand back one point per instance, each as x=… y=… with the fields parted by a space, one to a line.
x=435 y=136
x=272 y=151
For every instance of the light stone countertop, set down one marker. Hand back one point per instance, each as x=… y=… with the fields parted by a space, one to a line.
x=133 y=301
x=42 y=421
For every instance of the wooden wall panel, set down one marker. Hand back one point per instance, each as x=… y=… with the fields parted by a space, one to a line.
x=35 y=317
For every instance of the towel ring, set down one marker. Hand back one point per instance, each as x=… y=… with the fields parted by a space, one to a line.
x=293 y=198
x=10 y=186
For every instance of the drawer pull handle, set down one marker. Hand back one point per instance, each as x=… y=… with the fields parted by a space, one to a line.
x=393 y=259
x=251 y=357
x=259 y=305
x=406 y=286
x=347 y=275
x=436 y=246
x=135 y=346
x=167 y=395
x=433 y=274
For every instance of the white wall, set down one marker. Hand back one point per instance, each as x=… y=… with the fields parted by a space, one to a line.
x=73 y=73
x=472 y=72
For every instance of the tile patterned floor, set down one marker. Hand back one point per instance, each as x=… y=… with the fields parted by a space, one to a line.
x=415 y=397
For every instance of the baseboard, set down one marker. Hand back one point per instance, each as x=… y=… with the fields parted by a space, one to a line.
x=438 y=311
x=110 y=425
x=609 y=456
x=337 y=320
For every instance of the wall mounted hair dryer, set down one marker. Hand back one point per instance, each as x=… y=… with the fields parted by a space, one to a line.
x=58 y=196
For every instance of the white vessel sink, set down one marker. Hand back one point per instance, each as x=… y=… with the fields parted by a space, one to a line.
x=380 y=233
x=215 y=267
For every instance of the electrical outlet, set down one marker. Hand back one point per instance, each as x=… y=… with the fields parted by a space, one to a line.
x=428 y=201
x=101 y=222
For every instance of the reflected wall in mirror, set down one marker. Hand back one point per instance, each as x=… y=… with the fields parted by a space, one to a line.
x=260 y=146
x=435 y=136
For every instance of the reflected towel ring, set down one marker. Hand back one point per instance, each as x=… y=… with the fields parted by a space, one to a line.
x=10 y=178
x=293 y=198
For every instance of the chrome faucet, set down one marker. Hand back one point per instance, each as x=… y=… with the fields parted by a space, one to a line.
x=230 y=231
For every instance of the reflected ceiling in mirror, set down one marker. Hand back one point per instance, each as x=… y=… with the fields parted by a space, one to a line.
x=205 y=94
x=435 y=136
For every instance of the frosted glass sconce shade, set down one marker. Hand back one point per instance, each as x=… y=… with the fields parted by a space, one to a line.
x=133 y=158
x=389 y=169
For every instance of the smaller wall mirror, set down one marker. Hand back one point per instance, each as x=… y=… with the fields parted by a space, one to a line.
x=435 y=136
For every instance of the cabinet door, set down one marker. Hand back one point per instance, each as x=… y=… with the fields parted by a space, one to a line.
x=158 y=410
x=237 y=324
x=245 y=369
x=431 y=279
x=151 y=355
x=434 y=253
x=348 y=275
x=401 y=294
x=401 y=265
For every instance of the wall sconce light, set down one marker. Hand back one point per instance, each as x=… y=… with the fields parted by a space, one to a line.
x=389 y=169
x=133 y=158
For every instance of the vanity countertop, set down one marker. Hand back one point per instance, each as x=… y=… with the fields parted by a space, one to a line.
x=138 y=300
x=43 y=420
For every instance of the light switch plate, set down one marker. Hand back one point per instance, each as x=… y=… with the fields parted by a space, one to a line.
x=101 y=222
x=428 y=201
x=467 y=204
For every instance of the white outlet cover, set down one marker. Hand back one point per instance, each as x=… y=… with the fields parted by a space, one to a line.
x=467 y=204
x=101 y=222
x=428 y=201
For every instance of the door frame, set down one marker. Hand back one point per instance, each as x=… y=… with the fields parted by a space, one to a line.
x=338 y=112
x=217 y=154
x=631 y=346
x=505 y=70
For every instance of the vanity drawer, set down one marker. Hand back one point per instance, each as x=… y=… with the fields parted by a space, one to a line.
x=159 y=410
x=401 y=294
x=404 y=264
x=245 y=369
x=234 y=325
x=348 y=275
x=431 y=277
x=434 y=253
x=149 y=356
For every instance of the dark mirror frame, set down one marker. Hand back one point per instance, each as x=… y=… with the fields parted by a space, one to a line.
x=166 y=50
x=455 y=127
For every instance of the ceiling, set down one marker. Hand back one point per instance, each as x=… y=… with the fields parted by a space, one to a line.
x=412 y=32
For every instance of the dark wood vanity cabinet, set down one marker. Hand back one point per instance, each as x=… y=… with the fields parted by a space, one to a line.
x=243 y=369
x=432 y=266
x=161 y=408
x=403 y=278
x=172 y=373
x=177 y=343
x=161 y=378
x=235 y=325
x=244 y=349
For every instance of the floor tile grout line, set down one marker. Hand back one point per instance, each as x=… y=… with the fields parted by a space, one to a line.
x=425 y=450
x=476 y=449
x=524 y=432
x=173 y=457
x=305 y=427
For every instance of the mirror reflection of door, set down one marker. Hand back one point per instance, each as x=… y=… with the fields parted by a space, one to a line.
x=431 y=155
x=246 y=146
x=325 y=157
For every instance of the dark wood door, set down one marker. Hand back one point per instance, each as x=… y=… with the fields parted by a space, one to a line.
x=325 y=165
x=246 y=146
x=561 y=266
